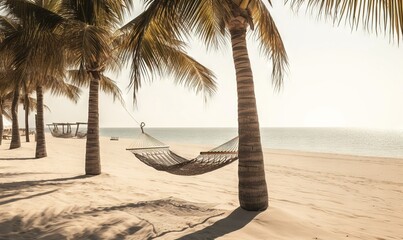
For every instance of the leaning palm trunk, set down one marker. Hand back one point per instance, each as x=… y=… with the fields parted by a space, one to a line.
x=15 y=136
x=1 y=121
x=92 y=154
x=253 y=194
x=26 y=106
x=40 y=150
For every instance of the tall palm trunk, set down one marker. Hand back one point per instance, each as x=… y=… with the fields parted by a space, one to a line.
x=26 y=108
x=1 y=120
x=92 y=154
x=15 y=136
x=40 y=150
x=252 y=194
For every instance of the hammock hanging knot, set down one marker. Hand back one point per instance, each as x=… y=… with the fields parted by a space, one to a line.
x=142 y=125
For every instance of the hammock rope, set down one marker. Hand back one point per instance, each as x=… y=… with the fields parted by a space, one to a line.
x=156 y=154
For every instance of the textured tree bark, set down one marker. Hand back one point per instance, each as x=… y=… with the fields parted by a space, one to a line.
x=26 y=108
x=40 y=150
x=15 y=135
x=1 y=121
x=92 y=154
x=253 y=195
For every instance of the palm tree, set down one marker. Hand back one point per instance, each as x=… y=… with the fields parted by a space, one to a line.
x=1 y=118
x=58 y=87
x=33 y=34
x=212 y=21
x=6 y=98
x=88 y=29
x=12 y=48
x=92 y=45
x=374 y=15
x=50 y=76
x=4 y=91
x=90 y=50
x=15 y=134
x=27 y=110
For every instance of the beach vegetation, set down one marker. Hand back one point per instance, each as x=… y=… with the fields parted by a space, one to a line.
x=85 y=37
x=96 y=44
x=33 y=47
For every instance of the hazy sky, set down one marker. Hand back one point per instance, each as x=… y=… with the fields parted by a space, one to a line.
x=337 y=78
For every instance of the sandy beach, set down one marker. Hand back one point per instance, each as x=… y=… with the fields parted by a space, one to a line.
x=312 y=196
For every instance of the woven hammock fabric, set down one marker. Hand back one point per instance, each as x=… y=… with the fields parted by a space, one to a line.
x=157 y=155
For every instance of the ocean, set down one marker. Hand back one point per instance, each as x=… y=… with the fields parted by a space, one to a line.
x=362 y=142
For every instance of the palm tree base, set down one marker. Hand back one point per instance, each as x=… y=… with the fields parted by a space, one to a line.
x=254 y=198
x=92 y=173
x=40 y=155
x=15 y=143
x=254 y=207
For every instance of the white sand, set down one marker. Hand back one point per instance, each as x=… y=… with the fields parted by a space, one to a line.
x=312 y=196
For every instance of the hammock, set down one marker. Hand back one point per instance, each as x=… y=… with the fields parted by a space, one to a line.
x=157 y=155
x=64 y=130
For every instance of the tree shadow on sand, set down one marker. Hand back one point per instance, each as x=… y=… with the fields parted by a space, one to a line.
x=17 y=174
x=18 y=227
x=42 y=182
x=24 y=198
x=17 y=159
x=22 y=190
x=238 y=219
x=140 y=220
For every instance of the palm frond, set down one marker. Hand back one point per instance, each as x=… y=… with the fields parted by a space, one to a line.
x=58 y=87
x=375 y=15
x=79 y=78
x=32 y=103
x=8 y=24
x=82 y=78
x=110 y=87
x=208 y=22
x=6 y=85
x=7 y=113
x=105 y=13
x=205 y=18
x=7 y=99
x=186 y=70
x=28 y=11
x=54 y=6
x=30 y=41
x=88 y=46
x=270 y=42
x=152 y=42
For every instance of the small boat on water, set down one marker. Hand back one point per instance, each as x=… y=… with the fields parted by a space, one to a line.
x=66 y=130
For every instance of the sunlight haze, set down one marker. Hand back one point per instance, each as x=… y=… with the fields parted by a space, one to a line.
x=336 y=78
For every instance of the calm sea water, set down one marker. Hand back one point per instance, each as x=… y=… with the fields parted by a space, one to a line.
x=381 y=143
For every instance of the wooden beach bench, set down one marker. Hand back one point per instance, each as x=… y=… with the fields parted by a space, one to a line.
x=114 y=138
